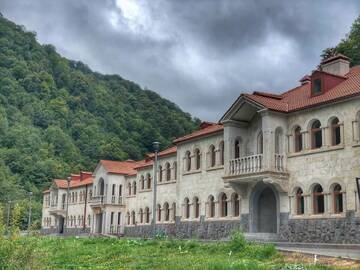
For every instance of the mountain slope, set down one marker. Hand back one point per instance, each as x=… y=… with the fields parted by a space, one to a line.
x=57 y=116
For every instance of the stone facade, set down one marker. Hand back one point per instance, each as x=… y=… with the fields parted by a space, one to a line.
x=258 y=171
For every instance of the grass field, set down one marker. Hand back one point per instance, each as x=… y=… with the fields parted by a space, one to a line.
x=109 y=253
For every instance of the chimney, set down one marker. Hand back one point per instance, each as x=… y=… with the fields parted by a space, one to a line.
x=304 y=80
x=337 y=65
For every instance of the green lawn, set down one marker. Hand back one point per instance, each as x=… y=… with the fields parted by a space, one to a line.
x=110 y=253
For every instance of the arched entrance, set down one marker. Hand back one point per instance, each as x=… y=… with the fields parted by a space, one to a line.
x=264 y=207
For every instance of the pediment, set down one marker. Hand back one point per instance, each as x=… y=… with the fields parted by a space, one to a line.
x=242 y=110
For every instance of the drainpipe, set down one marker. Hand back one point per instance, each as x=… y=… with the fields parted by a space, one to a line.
x=156 y=149
x=86 y=195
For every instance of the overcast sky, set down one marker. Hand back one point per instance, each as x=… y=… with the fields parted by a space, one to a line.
x=200 y=54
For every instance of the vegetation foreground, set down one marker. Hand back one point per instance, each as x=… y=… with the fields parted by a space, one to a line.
x=111 y=253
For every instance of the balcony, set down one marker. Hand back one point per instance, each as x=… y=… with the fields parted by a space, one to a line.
x=56 y=209
x=101 y=200
x=250 y=169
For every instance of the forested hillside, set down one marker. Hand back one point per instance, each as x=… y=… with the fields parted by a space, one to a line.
x=349 y=45
x=57 y=116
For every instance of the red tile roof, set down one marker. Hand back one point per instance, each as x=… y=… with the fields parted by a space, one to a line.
x=207 y=130
x=121 y=167
x=300 y=97
x=77 y=180
x=149 y=160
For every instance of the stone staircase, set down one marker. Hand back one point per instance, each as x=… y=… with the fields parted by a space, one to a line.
x=263 y=237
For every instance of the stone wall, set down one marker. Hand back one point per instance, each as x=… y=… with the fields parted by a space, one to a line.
x=323 y=230
x=217 y=229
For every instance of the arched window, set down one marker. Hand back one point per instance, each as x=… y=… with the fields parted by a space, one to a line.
x=120 y=190
x=298 y=139
x=128 y=218
x=133 y=217
x=237 y=148
x=196 y=207
x=335 y=132
x=175 y=170
x=129 y=189
x=168 y=171
x=134 y=188
x=188 y=161
x=141 y=213
x=212 y=156
x=223 y=205
x=316 y=135
x=148 y=180
x=173 y=211
x=167 y=211
x=236 y=205
x=147 y=215
x=160 y=173
x=300 y=206
x=278 y=141
x=338 y=199
x=318 y=200
x=187 y=208
x=142 y=182
x=211 y=206
x=221 y=147
x=197 y=159
x=260 y=148
x=76 y=196
x=80 y=196
x=159 y=212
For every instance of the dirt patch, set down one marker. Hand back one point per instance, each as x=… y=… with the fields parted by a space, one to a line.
x=296 y=257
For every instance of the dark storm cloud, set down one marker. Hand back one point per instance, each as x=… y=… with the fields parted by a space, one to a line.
x=200 y=54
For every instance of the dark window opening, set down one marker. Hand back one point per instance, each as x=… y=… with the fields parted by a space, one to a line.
x=318 y=200
x=316 y=87
x=316 y=135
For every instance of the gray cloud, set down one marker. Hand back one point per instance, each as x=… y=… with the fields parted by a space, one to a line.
x=200 y=54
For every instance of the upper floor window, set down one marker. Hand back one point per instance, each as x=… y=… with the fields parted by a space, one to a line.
x=260 y=148
x=221 y=147
x=148 y=180
x=316 y=135
x=188 y=161
x=298 y=139
x=113 y=190
x=197 y=159
x=212 y=156
x=168 y=171
x=160 y=173
x=120 y=190
x=142 y=182
x=129 y=189
x=316 y=86
x=134 y=188
x=278 y=141
x=175 y=170
x=335 y=132
x=237 y=148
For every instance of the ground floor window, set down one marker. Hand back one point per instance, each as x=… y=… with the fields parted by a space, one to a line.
x=318 y=200
x=300 y=206
x=338 y=199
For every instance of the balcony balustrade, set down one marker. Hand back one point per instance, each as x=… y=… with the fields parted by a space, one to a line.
x=255 y=164
x=102 y=200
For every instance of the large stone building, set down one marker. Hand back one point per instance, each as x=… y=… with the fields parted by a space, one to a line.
x=283 y=164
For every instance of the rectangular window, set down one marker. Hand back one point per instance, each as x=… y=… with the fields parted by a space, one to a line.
x=316 y=87
x=119 y=218
x=112 y=218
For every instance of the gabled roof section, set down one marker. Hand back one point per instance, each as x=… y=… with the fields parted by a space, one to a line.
x=300 y=97
x=121 y=167
x=77 y=180
x=208 y=129
x=244 y=108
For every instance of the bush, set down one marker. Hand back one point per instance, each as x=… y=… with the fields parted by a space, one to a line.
x=238 y=242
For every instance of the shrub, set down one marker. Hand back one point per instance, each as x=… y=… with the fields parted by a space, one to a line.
x=238 y=242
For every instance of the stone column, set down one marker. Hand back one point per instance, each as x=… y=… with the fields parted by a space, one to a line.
x=268 y=142
x=356 y=130
x=306 y=140
x=324 y=137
